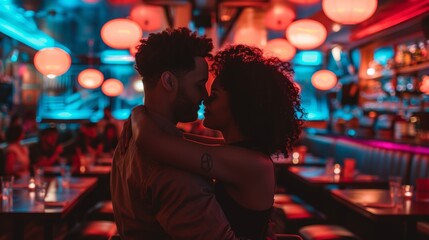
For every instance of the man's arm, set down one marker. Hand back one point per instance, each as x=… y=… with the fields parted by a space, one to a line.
x=224 y=163
x=187 y=207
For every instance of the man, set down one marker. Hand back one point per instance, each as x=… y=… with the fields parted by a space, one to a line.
x=150 y=200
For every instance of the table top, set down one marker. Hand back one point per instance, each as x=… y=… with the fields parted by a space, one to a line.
x=107 y=161
x=91 y=171
x=318 y=176
x=376 y=203
x=309 y=160
x=59 y=201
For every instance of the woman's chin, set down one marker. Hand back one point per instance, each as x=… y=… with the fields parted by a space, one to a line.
x=207 y=123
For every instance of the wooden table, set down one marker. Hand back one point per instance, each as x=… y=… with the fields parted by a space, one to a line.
x=59 y=203
x=106 y=161
x=313 y=184
x=376 y=206
x=318 y=176
x=93 y=171
x=309 y=160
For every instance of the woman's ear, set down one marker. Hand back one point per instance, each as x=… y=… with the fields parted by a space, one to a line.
x=168 y=80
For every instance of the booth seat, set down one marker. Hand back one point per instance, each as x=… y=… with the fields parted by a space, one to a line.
x=291 y=213
x=345 y=149
x=385 y=163
x=94 y=230
x=320 y=146
x=371 y=159
x=419 y=168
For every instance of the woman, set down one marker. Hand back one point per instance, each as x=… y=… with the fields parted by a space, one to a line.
x=17 y=156
x=256 y=106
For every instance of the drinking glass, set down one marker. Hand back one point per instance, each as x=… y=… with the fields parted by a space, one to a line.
x=39 y=172
x=7 y=186
x=40 y=191
x=7 y=192
x=395 y=188
x=65 y=175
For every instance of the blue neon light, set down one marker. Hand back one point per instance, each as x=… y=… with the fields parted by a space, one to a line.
x=312 y=58
x=381 y=55
x=201 y=111
x=14 y=24
x=116 y=57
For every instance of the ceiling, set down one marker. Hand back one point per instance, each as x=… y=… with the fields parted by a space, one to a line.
x=76 y=24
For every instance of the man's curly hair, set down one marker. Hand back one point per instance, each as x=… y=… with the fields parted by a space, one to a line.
x=170 y=50
x=264 y=100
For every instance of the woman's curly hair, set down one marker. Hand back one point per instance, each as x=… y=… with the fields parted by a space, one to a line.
x=170 y=50
x=264 y=100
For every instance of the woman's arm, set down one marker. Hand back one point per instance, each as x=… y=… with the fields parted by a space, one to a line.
x=203 y=139
x=229 y=164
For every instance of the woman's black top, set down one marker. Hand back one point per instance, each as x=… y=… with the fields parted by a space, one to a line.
x=245 y=223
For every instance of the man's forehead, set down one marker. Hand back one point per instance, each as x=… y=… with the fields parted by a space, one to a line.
x=201 y=68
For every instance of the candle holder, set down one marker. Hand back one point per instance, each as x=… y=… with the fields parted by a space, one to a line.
x=337 y=169
x=295 y=157
x=407 y=191
x=31 y=184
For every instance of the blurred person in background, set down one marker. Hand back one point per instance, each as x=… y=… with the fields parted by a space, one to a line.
x=109 y=138
x=108 y=119
x=47 y=151
x=17 y=155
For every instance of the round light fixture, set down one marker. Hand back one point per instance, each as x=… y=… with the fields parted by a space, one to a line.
x=280 y=48
x=306 y=34
x=112 y=87
x=349 y=11
x=324 y=80
x=121 y=33
x=90 y=78
x=52 y=62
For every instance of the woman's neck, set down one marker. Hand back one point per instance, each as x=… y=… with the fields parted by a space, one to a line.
x=232 y=135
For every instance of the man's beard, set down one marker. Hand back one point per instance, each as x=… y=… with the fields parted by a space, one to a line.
x=183 y=108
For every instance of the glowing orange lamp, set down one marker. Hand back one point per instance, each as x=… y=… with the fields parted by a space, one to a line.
x=90 y=78
x=349 y=11
x=148 y=17
x=324 y=80
x=280 y=48
x=279 y=16
x=304 y=1
x=250 y=36
x=306 y=34
x=112 y=87
x=121 y=33
x=52 y=62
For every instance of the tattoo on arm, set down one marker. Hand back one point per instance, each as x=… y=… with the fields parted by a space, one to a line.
x=206 y=162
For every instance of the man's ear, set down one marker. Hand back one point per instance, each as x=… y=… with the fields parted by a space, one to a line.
x=168 y=80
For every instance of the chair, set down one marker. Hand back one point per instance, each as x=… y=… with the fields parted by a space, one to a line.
x=326 y=232
x=94 y=230
x=419 y=168
x=102 y=211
